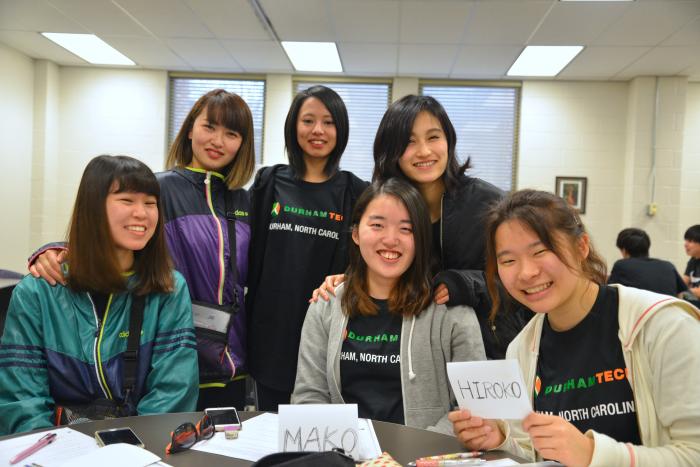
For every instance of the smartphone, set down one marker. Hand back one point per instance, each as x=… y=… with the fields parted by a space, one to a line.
x=224 y=417
x=118 y=435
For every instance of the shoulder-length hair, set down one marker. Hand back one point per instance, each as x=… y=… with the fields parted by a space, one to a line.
x=339 y=114
x=226 y=109
x=92 y=255
x=394 y=133
x=556 y=224
x=412 y=293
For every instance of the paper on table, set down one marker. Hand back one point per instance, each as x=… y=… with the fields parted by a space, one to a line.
x=369 y=444
x=500 y=463
x=69 y=444
x=113 y=455
x=490 y=389
x=258 y=438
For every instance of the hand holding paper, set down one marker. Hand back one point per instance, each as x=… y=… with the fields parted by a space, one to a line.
x=490 y=389
x=475 y=433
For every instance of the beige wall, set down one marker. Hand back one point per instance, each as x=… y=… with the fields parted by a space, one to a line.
x=54 y=119
x=16 y=126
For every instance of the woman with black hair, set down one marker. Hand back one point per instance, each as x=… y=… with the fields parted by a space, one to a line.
x=67 y=351
x=381 y=342
x=299 y=234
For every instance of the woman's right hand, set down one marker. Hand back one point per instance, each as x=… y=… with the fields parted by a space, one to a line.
x=48 y=266
x=327 y=287
x=475 y=433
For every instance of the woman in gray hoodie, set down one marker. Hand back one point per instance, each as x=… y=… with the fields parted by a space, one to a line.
x=381 y=342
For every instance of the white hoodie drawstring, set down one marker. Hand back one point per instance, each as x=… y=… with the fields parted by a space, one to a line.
x=411 y=374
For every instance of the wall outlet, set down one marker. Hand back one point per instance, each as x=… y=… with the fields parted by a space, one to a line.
x=651 y=209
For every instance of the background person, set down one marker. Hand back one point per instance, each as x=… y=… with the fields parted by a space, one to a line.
x=381 y=342
x=300 y=219
x=692 y=270
x=63 y=347
x=616 y=361
x=637 y=269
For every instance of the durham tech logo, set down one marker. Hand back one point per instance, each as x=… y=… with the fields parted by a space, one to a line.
x=277 y=207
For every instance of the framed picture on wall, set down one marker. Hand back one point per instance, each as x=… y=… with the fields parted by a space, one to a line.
x=573 y=190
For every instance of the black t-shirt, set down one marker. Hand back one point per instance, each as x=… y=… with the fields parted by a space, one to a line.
x=649 y=274
x=370 y=365
x=303 y=234
x=581 y=374
x=437 y=247
x=692 y=270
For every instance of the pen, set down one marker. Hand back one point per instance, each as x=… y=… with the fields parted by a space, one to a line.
x=456 y=455
x=43 y=441
x=446 y=462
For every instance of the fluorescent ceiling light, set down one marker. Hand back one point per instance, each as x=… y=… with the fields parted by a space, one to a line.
x=597 y=0
x=89 y=47
x=313 y=56
x=543 y=60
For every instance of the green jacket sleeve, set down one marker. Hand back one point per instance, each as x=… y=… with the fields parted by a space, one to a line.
x=172 y=384
x=25 y=402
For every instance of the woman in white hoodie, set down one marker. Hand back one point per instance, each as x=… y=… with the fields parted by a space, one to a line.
x=612 y=371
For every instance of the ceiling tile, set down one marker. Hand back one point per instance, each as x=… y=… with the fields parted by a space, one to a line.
x=648 y=23
x=300 y=20
x=35 y=15
x=166 y=18
x=366 y=20
x=259 y=56
x=509 y=22
x=483 y=61
x=100 y=17
x=229 y=19
x=662 y=61
x=37 y=46
x=426 y=60
x=147 y=52
x=205 y=53
x=356 y=59
x=687 y=35
x=574 y=23
x=597 y=62
x=433 y=22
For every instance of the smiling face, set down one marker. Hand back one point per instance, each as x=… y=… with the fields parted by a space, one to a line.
x=213 y=146
x=385 y=238
x=425 y=158
x=132 y=219
x=316 y=133
x=536 y=277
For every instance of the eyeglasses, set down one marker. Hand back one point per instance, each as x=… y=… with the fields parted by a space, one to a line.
x=187 y=434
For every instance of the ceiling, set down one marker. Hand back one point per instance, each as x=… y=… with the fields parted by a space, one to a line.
x=457 y=39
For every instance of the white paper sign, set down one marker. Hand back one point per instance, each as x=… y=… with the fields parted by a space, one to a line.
x=490 y=389
x=319 y=427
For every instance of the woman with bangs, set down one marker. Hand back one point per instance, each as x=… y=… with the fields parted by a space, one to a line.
x=381 y=342
x=300 y=233
x=66 y=349
x=611 y=371
x=207 y=230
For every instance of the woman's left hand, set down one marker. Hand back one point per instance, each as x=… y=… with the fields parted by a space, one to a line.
x=442 y=295
x=556 y=439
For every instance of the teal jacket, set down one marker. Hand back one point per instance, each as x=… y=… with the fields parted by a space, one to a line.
x=55 y=352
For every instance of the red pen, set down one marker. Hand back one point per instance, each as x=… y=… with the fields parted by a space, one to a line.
x=43 y=441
